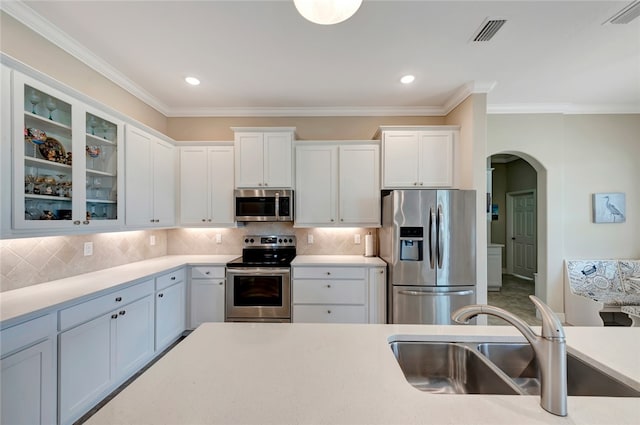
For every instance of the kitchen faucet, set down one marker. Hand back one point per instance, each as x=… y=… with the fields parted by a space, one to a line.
x=550 y=349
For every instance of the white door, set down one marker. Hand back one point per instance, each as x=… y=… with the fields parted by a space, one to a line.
x=249 y=160
x=170 y=314
x=436 y=159
x=278 y=149
x=207 y=301
x=359 y=185
x=221 y=185
x=523 y=234
x=138 y=175
x=163 y=184
x=316 y=184
x=400 y=159
x=194 y=203
x=134 y=336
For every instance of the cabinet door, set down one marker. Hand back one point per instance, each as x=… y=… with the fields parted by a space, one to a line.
x=207 y=301
x=163 y=184
x=436 y=158
x=329 y=314
x=400 y=159
x=170 y=314
x=359 y=185
x=378 y=295
x=278 y=167
x=194 y=199
x=86 y=366
x=133 y=336
x=316 y=185
x=139 y=197
x=221 y=185
x=28 y=388
x=249 y=160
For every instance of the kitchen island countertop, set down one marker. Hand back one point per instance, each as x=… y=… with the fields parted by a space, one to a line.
x=260 y=373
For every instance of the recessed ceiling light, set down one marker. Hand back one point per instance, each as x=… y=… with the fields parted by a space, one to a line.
x=407 y=79
x=192 y=80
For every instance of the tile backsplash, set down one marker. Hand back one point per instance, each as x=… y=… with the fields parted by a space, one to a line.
x=29 y=261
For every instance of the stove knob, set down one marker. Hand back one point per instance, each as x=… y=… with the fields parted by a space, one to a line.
x=251 y=240
x=280 y=240
x=290 y=240
x=246 y=241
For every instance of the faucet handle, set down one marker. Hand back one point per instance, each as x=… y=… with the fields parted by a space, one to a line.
x=551 y=325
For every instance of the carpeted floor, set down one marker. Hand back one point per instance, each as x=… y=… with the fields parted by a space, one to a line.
x=514 y=297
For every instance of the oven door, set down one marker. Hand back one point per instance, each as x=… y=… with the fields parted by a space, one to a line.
x=258 y=293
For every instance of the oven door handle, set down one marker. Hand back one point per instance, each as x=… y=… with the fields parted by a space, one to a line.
x=258 y=270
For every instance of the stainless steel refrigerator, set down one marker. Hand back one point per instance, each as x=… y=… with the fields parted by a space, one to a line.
x=428 y=239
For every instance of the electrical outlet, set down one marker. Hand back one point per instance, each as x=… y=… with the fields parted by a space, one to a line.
x=309 y=238
x=218 y=238
x=356 y=239
x=152 y=240
x=88 y=249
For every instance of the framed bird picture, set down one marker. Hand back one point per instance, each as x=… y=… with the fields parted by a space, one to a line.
x=609 y=207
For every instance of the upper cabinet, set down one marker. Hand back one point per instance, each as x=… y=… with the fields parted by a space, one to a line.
x=206 y=186
x=337 y=184
x=263 y=157
x=418 y=157
x=70 y=159
x=150 y=180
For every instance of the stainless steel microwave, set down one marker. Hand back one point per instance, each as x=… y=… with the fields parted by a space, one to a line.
x=264 y=205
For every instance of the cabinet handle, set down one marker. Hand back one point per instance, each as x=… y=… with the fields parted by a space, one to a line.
x=160 y=295
x=420 y=183
x=157 y=220
x=151 y=220
x=173 y=278
x=415 y=183
x=328 y=273
x=207 y=273
x=342 y=219
x=220 y=283
x=328 y=286
x=328 y=311
x=259 y=184
x=118 y=299
x=85 y=222
x=332 y=220
x=209 y=220
x=114 y=316
x=122 y=313
x=266 y=184
x=76 y=222
x=203 y=220
x=381 y=271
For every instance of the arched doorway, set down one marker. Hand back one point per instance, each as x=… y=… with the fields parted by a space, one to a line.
x=515 y=222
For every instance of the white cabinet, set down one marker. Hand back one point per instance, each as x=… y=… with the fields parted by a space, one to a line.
x=171 y=304
x=419 y=157
x=263 y=157
x=338 y=294
x=494 y=267
x=68 y=159
x=28 y=372
x=337 y=184
x=101 y=345
x=150 y=180
x=206 y=295
x=206 y=186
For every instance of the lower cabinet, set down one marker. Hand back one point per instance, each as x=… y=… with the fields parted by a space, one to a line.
x=171 y=298
x=99 y=354
x=28 y=373
x=338 y=295
x=206 y=295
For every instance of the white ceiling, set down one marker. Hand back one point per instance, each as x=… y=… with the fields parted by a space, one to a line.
x=263 y=58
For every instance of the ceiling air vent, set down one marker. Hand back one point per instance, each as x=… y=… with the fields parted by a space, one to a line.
x=626 y=15
x=488 y=29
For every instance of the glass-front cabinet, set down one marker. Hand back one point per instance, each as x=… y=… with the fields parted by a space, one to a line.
x=69 y=156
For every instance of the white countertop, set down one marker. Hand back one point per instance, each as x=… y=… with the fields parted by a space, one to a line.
x=21 y=304
x=338 y=260
x=252 y=373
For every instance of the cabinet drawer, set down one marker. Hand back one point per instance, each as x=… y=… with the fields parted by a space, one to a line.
x=329 y=272
x=93 y=308
x=168 y=279
x=329 y=314
x=332 y=291
x=207 y=272
x=27 y=333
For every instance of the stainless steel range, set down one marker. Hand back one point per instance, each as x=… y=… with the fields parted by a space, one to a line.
x=259 y=283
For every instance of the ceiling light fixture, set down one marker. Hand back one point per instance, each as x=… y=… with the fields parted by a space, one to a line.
x=192 y=80
x=407 y=79
x=327 y=12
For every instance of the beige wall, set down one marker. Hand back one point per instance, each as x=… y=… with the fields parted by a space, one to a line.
x=22 y=44
x=307 y=128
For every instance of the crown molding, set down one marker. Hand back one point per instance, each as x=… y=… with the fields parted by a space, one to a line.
x=561 y=108
x=465 y=91
x=344 y=111
x=34 y=21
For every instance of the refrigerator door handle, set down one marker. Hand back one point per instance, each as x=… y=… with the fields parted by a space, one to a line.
x=440 y=236
x=432 y=237
x=436 y=294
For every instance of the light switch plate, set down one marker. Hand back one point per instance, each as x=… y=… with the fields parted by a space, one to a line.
x=356 y=239
x=152 y=240
x=218 y=238
x=309 y=238
x=88 y=249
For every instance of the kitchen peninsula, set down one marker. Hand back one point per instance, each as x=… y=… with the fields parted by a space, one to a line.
x=256 y=373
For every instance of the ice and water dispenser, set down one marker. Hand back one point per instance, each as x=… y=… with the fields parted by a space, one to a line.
x=411 y=243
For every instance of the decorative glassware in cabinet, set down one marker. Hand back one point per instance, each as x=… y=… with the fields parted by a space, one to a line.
x=102 y=164
x=47 y=156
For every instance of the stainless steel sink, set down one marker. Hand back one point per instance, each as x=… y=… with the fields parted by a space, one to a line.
x=517 y=361
x=449 y=368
